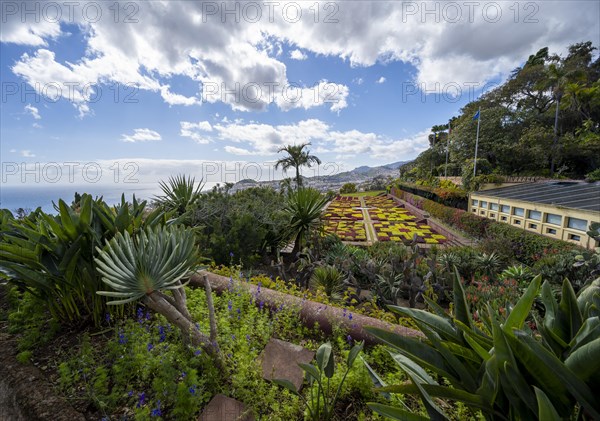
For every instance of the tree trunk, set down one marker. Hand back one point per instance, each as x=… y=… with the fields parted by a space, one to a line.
x=162 y=304
x=298 y=179
x=555 y=142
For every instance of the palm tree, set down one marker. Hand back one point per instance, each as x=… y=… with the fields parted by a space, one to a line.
x=297 y=157
x=145 y=267
x=303 y=209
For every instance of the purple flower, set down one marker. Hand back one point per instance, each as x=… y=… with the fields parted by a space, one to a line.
x=150 y=347
x=107 y=317
x=197 y=352
x=349 y=340
x=183 y=374
x=140 y=314
x=148 y=315
x=233 y=336
x=230 y=254
x=350 y=316
x=229 y=305
x=248 y=338
x=238 y=311
x=261 y=304
x=141 y=399
x=122 y=338
x=130 y=394
x=162 y=334
x=156 y=412
x=192 y=390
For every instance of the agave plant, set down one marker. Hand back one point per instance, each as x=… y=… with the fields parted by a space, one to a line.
x=303 y=210
x=179 y=193
x=500 y=368
x=145 y=267
x=488 y=264
x=522 y=274
x=330 y=279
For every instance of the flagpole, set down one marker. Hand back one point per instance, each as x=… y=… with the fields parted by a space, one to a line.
x=476 y=142
x=447 y=148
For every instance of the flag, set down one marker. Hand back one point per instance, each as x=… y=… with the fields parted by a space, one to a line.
x=476 y=116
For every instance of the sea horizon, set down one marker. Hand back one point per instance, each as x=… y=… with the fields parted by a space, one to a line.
x=27 y=197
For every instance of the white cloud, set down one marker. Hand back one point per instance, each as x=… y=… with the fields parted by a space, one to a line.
x=265 y=139
x=37 y=126
x=142 y=135
x=33 y=111
x=323 y=92
x=13 y=151
x=176 y=99
x=194 y=131
x=358 y=81
x=27 y=154
x=298 y=55
x=380 y=80
x=180 y=39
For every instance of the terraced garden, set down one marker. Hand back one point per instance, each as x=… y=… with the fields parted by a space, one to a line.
x=366 y=219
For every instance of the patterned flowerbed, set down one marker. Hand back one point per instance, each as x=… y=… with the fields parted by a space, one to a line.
x=390 y=221
x=346 y=230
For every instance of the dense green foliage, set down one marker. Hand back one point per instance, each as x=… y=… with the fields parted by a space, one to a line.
x=499 y=366
x=245 y=225
x=519 y=132
x=53 y=256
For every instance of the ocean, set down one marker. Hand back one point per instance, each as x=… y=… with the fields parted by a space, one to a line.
x=32 y=197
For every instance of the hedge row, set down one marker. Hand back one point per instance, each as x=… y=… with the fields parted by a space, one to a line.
x=456 y=198
x=527 y=246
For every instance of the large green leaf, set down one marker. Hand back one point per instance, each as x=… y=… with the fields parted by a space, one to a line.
x=546 y=411
x=521 y=310
x=442 y=326
x=395 y=413
x=585 y=361
x=552 y=375
x=461 y=307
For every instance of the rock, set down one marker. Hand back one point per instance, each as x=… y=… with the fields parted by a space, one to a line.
x=280 y=360
x=222 y=408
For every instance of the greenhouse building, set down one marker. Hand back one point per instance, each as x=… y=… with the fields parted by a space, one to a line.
x=558 y=209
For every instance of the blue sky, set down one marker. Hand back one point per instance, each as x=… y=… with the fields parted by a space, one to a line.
x=365 y=81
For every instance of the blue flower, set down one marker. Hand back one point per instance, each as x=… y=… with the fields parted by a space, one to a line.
x=349 y=340
x=261 y=304
x=229 y=305
x=150 y=347
x=248 y=338
x=122 y=338
x=350 y=316
x=156 y=412
x=107 y=317
x=130 y=394
x=141 y=399
x=192 y=390
x=197 y=352
x=162 y=334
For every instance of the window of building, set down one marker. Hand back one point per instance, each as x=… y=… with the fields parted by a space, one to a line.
x=492 y=215
x=503 y=218
x=537 y=215
x=475 y=202
x=577 y=224
x=483 y=204
x=482 y=212
x=494 y=206
x=574 y=237
x=505 y=209
x=518 y=211
x=474 y=210
x=551 y=231
x=533 y=226
x=553 y=219
x=517 y=222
